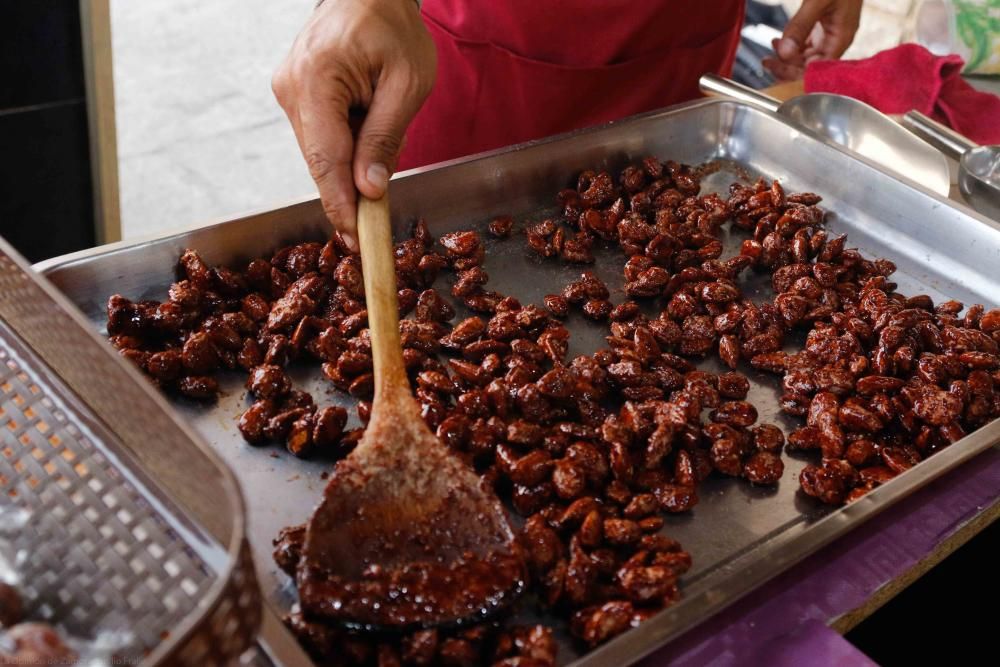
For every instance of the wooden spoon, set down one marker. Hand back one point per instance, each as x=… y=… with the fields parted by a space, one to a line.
x=406 y=535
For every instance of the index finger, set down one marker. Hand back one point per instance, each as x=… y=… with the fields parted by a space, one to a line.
x=328 y=147
x=835 y=42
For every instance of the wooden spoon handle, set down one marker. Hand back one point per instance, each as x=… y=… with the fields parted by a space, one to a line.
x=378 y=266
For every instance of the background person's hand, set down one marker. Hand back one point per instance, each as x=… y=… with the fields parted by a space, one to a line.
x=373 y=55
x=820 y=30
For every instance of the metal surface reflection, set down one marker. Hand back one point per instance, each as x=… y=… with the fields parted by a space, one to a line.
x=978 y=166
x=854 y=125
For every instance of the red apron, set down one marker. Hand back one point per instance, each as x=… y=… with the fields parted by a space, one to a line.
x=514 y=70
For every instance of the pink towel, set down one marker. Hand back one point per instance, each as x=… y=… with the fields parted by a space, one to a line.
x=911 y=77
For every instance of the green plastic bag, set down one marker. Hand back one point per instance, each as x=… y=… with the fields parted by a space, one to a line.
x=970 y=28
x=977 y=23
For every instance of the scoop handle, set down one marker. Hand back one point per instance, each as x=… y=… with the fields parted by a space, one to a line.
x=713 y=83
x=378 y=267
x=941 y=137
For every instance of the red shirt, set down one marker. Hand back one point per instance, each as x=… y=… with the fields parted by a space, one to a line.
x=514 y=70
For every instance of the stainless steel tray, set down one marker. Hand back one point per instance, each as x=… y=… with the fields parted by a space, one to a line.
x=739 y=536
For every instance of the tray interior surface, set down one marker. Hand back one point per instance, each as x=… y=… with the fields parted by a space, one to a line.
x=939 y=250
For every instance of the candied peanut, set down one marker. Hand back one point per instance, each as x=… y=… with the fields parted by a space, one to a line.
x=697 y=335
x=196 y=270
x=980 y=360
x=899 y=459
x=469 y=282
x=432 y=308
x=329 y=426
x=763 y=467
x=255 y=307
x=719 y=292
x=736 y=413
x=199 y=354
x=935 y=406
x=876 y=474
x=268 y=382
x=591 y=531
x=651 y=524
x=597 y=309
x=461 y=244
x=595 y=626
x=734 y=385
x=641 y=506
x=429 y=266
x=198 y=387
x=646 y=584
x=167 y=365
x=675 y=497
x=532 y=469
x=648 y=283
x=557 y=383
x=589 y=460
x=856 y=417
x=729 y=350
x=768 y=438
x=568 y=479
x=990 y=321
x=255 y=419
x=501 y=226
x=558 y=305
x=299 y=440
x=804 y=438
x=834 y=380
x=828 y=483
x=278 y=350
x=528 y=500
x=727 y=456
x=288 y=548
x=861 y=452
x=772 y=362
x=544 y=548
x=362 y=386
x=621 y=531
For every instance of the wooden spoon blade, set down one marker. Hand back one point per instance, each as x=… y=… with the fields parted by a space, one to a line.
x=407 y=536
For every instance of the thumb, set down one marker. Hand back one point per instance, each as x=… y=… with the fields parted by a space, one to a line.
x=796 y=34
x=381 y=137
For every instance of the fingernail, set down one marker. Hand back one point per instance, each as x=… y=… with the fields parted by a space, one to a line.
x=350 y=242
x=378 y=175
x=787 y=46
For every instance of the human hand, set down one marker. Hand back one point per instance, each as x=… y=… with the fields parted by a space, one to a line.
x=820 y=30
x=352 y=55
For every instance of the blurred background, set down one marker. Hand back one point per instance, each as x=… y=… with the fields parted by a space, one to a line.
x=199 y=133
x=124 y=119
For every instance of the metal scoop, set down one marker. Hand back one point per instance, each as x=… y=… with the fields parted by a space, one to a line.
x=852 y=124
x=978 y=166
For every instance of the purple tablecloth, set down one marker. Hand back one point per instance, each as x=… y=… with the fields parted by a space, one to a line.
x=785 y=621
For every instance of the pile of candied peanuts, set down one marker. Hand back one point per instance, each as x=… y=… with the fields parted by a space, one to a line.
x=592 y=450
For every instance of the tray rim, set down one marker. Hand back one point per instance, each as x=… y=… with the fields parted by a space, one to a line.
x=795 y=543
x=46 y=265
